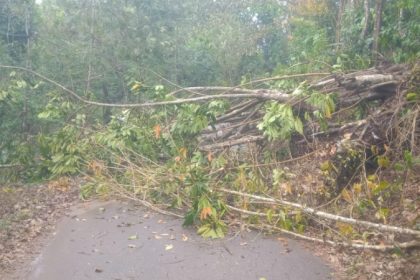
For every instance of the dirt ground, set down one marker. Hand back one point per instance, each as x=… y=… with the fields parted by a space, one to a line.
x=28 y=214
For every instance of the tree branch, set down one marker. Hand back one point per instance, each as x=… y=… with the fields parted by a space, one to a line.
x=260 y=94
x=405 y=245
x=329 y=216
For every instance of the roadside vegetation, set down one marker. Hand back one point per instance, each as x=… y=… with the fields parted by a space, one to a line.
x=300 y=117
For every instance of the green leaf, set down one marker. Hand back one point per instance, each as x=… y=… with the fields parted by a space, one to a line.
x=270 y=215
x=399 y=167
x=298 y=126
x=3 y=95
x=408 y=158
x=411 y=96
x=133 y=237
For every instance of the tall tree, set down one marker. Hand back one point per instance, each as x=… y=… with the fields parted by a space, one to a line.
x=377 y=29
x=366 y=8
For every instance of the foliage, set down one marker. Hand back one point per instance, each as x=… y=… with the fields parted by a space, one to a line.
x=137 y=51
x=63 y=152
x=324 y=105
x=206 y=208
x=193 y=118
x=279 y=122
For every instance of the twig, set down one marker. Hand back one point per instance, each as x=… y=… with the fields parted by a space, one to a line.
x=276 y=78
x=383 y=248
x=251 y=115
x=276 y=162
x=236 y=111
x=253 y=213
x=10 y=165
x=234 y=142
x=242 y=124
x=148 y=204
x=413 y=132
x=340 y=129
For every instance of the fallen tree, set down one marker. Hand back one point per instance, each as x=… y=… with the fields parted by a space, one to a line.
x=332 y=128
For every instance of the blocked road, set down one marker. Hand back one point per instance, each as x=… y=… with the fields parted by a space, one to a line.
x=118 y=241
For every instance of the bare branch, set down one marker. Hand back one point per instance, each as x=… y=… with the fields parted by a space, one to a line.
x=9 y=165
x=234 y=142
x=405 y=245
x=260 y=94
x=329 y=216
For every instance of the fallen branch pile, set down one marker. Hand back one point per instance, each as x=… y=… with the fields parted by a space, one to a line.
x=238 y=125
x=390 y=122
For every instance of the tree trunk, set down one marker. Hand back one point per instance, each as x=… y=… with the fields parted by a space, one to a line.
x=341 y=6
x=377 y=29
x=106 y=111
x=25 y=113
x=400 y=22
x=367 y=19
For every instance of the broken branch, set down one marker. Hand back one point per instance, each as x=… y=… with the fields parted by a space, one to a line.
x=329 y=216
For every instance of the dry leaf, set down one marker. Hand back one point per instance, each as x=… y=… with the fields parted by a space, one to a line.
x=286 y=188
x=62 y=184
x=98 y=270
x=169 y=247
x=333 y=150
x=345 y=194
x=183 y=152
x=184 y=237
x=205 y=213
x=157 y=129
x=136 y=86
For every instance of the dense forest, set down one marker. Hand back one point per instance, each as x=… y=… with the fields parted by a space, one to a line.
x=293 y=116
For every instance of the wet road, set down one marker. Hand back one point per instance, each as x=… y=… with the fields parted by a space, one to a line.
x=118 y=241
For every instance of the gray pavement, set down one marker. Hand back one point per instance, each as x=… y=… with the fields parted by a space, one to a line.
x=118 y=241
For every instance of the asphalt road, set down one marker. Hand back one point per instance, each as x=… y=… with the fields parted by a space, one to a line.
x=118 y=241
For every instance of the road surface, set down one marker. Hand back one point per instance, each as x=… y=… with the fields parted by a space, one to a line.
x=118 y=241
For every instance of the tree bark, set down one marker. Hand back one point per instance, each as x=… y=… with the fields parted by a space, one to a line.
x=377 y=29
x=400 y=22
x=367 y=19
x=106 y=111
x=325 y=215
x=341 y=6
